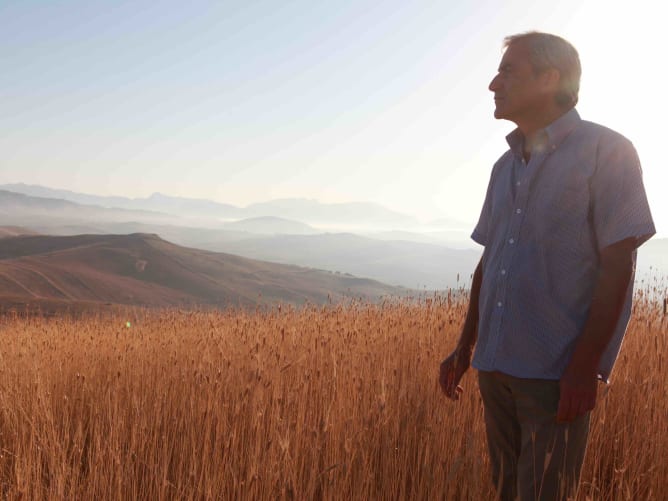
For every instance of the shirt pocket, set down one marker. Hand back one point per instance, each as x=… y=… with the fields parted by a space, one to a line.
x=573 y=200
x=565 y=215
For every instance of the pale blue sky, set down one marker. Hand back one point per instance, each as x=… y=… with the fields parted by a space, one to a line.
x=244 y=101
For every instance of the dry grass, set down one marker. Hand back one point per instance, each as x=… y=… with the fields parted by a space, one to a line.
x=337 y=402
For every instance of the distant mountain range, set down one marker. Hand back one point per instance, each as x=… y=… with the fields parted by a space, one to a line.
x=156 y=202
x=304 y=210
x=21 y=208
x=144 y=270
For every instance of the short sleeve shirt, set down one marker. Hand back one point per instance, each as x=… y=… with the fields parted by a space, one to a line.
x=543 y=225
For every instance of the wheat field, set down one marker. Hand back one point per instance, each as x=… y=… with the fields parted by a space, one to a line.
x=320 y=402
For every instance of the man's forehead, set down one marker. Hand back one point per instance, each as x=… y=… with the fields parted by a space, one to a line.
x=517 y=51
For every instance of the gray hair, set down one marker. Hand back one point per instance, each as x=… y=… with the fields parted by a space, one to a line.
x=551 y=51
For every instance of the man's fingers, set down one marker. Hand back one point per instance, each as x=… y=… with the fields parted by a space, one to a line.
x=577 y=397
x=588 y=405
x=573 y=405
x=449 y=376
x=454 y=390
x=564 y=409
x=585 y=407
x=449 y=385
x=454 y=393
x=444 y=379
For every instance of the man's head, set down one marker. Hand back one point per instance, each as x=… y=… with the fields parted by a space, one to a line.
x=539 y=74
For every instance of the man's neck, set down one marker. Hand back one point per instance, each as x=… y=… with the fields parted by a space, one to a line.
x=532 y=128
x=529 y=144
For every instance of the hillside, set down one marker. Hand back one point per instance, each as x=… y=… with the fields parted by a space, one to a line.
x=144 y=270
x=14 y=231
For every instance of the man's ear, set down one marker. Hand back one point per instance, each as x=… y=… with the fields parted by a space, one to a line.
x=550 y=78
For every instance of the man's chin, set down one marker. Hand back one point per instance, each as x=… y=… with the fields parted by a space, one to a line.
x=501 y=114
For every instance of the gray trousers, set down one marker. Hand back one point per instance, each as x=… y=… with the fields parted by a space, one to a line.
x=532 y=456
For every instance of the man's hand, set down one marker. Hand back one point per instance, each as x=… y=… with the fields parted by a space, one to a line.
x=452 y=370
x=577 y=393
x=454 y=367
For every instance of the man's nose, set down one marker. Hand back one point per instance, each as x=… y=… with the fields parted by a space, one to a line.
x=494 y=84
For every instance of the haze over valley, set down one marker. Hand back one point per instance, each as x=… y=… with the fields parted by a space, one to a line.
x=371 y=252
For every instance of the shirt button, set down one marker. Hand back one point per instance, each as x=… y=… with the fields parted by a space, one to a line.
x=503 y=272
x=519 y=211
x=499 y=304
x=511 y=241
x=518 y=183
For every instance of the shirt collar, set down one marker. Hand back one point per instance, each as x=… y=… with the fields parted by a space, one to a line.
x=551 y=136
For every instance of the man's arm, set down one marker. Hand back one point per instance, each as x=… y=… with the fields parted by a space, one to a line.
x=453 y=368
x=579 y=382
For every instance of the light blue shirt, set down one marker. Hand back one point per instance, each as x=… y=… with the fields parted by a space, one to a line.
x=543 y=225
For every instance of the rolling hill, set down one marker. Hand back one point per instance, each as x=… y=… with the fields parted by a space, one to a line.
x=144 y=270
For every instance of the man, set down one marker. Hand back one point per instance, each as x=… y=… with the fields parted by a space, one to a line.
x=564 y=213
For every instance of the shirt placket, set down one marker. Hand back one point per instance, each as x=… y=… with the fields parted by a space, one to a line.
x=522 y=182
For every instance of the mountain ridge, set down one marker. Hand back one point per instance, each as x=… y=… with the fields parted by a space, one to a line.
x=308 y=210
